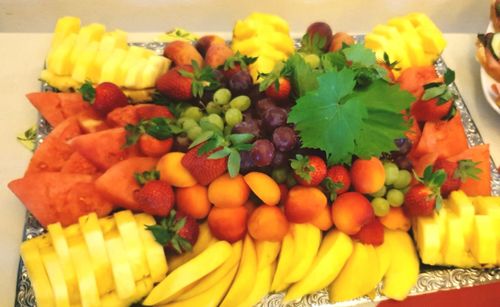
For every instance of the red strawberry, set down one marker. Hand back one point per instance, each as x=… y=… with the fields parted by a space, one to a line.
x=236 y=63
x=154 y=136
x=153 y=147
x=425 y=197
x=177 y=232
x=456 y=173
x=105 y=97
x=309 y=170
x=337 y=181
x=203 y=169
x=155 y=197
x=280 y=90
x=371 y=233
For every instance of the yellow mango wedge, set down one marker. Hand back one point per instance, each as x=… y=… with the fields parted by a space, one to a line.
x=261 y=286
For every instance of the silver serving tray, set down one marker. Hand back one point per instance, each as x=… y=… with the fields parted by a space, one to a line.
x=431 y=279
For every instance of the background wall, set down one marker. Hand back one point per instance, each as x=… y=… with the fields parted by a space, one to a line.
x=355 y=16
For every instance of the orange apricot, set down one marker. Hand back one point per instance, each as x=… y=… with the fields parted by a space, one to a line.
x=172 y=171
x=264 y=187
x=351 y=211
x=228 y=224
x=304 y=203
x=267 y=223
x=225 y=192
x=193 y=201
x=250 y=205
x=323 y=220
x=367 y=176
x=396 y=219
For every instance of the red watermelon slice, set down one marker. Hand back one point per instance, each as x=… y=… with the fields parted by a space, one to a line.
x=58 y=197
x=78 y=164
x=132 y=114
x=481 y=154
x=118 y=184
x=104 y=148
x=73 y=103
x=49 y=105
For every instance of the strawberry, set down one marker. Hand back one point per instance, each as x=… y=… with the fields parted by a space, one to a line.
x=153 y=147
x=105 y=97
x=337 y=181
x=203 y=169
x=279 y=90
x=425 y=197
x=186 y=82
x=371 y=233
x=236 y=63
x=456 y=173
x=158 y=128
x=155 y=197
x=177 y=232
x=309 y=170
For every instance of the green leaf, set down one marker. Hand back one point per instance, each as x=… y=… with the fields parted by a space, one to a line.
x=134 y=132
x=28 y=138
x=449 y=76
x=302 y=77
x=208 y=126
x=242 y=147
x=358 y=53
x=434 y=92
x=224 y=152
x=233 y=163
x=203 y=137
x=241 y=138
x=158 y=128
x=209 y=145
x=88 y=92
x=333 y=61
x=142 y=178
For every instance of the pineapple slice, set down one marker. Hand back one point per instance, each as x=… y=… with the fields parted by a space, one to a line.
x=432 y=40
x=63 y=83
x=88 y=34
x=143 y=287
x=110 y=42
x=96 y=246
x=134 y=54
x=428 y=242
x=400 y=51
x=81 y=70
x=127 y=227
x=379 y=44
x=110 y=69
x=461 y=205
x=58 y=61
x=155 y=67
x=454 y=247
x=484 y=245
x=155 y=256
x=412 y=40
x=55 y=273
x=64 y=27
x=134 y=74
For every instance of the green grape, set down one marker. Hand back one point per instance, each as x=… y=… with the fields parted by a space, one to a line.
x=312 y=60
x=391 y=172
x=216 y=120
x=233 y=116
x=380 y=206
x=194 y=132
x=241 y=103
x=395 y=197
x=380 y=193
x=222 y=96
x=188 y=123
x=193 y=112
x=403 y=180
x=228 y=130
x=291 y=181
x=280 y=174
x=213 y=108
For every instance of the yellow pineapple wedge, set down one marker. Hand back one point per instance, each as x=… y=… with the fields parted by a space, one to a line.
x=484 y=245
x=427 y=234
x=64 y=27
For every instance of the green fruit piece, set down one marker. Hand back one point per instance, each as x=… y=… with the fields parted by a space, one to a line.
x=380 y=193
x=233 y=116
x=312 y=60
x=280 y=174
x=380 y=206
x=216 y=120
x=403 y=180
x=213 y=108
x=391 y=172
x=222 y=96
x=194 y=132
x=395 y=197
x=241 y=103
x=188 y=123
x=193 y=112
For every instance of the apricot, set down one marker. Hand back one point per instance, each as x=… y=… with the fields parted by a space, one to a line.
x=367 y=176
x=204 y=42
x=217 y=54
x=351 y=211
x=182 y=53
x=264 y=187
x=228 y=224
x=340 y=38
x=225 y=192
x=323 y=220
x=304 y=203
x=172 y=171
x=396 y=219
x=193 y=201
x=267 y=223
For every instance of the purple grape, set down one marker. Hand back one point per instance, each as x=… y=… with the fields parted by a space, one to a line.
x=404 y=145
x=246 y=163
x=262 y=152
x=280 y=158
x=263 y=105
x=284 y=138
x=240 y=83
x=249 y=125
x=403 y=163
x=255 y=95
x=181 y=143
x=274 y=118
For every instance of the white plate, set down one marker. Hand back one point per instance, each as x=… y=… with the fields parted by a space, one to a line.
x=487 y=82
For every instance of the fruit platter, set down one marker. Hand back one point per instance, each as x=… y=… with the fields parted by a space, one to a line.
x=264 y=170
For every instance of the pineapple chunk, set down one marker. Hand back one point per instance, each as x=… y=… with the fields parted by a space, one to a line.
x=454 y=247
x=143 y=287
x=88 y=34
x=155 y=67
x=392 y=34
x=428 y=241
x=140 y=95
x=81 y=70
x=64 y=27
x=111 y=68
x=109 y=42
x=62 y=83
x=59 y=60
x=134 y=74
x=55 y=273
x=483 y=246
x=155 y=256
x=459 y=203
x=432 y=40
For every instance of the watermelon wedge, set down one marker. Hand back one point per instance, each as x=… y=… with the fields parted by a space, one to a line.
x=49 y=105
x=78 y=164
x=73 y=103
x=132 y=114
x=481 y=154
x=59 y=197
x=118 y=184
x=104 y=148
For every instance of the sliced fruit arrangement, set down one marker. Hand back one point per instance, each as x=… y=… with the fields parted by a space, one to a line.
x=254 y=168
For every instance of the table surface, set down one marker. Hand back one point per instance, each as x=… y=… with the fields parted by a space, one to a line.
x=21 y=56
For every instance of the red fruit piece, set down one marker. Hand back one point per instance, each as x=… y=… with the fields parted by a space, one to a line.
x=217 y=54
x=174 y=85
x=118 y=183
x=481 y=154
x=177 y=232
x=337 y=181
x=371 y=233
x=49 y=106
x=204 y=170
x=204 y=42
x=303 y=204
x=182 y=53
x=430 y=110
x=318 y=37
x=456 y=173
x=413 y=79
x=309 y=170
x=133 y=114
x=236 y=63
x=60 y=197
x=73 y=104
x=425 y=197
x=156 y=197
x=105 y=97
x=78 y=164
x=279 y=90
x=228 y=224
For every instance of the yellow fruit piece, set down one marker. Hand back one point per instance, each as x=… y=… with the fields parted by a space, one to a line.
x=484 y=241
x=59 y=59
x=205 y=239
x=181 y=177
x=335 y=250
x=142 y=289
x=134 y=54
x=426 y=232
x=412 y=40
x=245 y=278
x=62 y=83
x=278 y=23
x=64 y=27
x=454 y=247
x=110 y=69
x=155 y=256
x=261 y=286
x=247 y=46
x=82 y=65
x=359 y=275
x=461 y=205
x=190 y=272
x=38 y=276
x=307 y=239
x=420 y=19
x=380 y=45
x=142 y=95
x=263 y=65
x=433 y=41
x=404 y=268
x=280 y=41
x=384 y=255
x=155 y=67
x=216 y=276
x=399 y=46
x=56 y=276
x=88 y=34
x=134 y=74
x=109 y=42
x=284 y=261
x=94 y=239
x=267 y=252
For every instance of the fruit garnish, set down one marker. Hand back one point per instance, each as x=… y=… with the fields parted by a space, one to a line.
x=105 y=97
x=28 y=138
x=146 y=176
x=308 y=170
x=177 y=34
x=425 y=197
x=337 y=181
x=177 y=233
x=456 y=173
x=202 y=78
x=238 y=61
x=159 y=127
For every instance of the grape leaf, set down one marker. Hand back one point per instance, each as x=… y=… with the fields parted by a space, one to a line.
x=302 y=76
